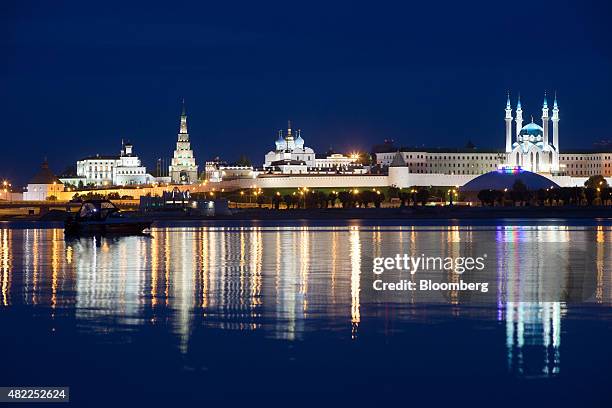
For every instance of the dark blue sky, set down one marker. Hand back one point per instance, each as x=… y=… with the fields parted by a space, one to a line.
x=76 y=77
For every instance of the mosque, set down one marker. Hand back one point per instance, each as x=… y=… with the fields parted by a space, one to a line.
x=291 y=164
x=532 y=149
x=528 y=147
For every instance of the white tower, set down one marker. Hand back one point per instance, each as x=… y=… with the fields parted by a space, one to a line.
x=519 y=117
x=183 y=168
x=508 y=125
x=545 y=120
x=555 y=123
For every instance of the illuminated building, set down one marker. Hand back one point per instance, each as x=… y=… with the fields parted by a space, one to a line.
x=290 y=156
x=183 y=169
x=533 y=149
x=43 y=185
x=99 y=170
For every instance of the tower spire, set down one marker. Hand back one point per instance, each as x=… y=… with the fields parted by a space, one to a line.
x=555 y=123
x=290 y=139
x=519 y=116
x=183 y=127
x=508 y=120
x=545 y=119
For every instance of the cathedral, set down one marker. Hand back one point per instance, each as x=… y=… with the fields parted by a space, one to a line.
x=532 y=149
x=183 y=169
x=290 y=155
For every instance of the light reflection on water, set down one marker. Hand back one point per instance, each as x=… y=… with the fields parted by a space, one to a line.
x=280 y=279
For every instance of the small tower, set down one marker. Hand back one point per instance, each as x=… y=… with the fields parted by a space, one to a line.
x=555 y=123
x=127 y=149
x=290 y=140
x=183 y=125
x=508 y=125
x=399 y=172
x=545 y=119
x=519 y=117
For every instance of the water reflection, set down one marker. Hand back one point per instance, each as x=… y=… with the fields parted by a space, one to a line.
x=533 y=337
x=285 y=281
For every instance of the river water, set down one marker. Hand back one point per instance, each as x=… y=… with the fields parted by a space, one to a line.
x=285 y=314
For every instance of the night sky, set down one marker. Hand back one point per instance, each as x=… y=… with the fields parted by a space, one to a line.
x=77 y=77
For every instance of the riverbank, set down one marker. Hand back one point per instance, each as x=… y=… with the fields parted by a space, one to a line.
x=449 y=212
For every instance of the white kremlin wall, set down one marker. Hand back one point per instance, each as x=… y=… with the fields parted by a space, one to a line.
x=314 y=181
x=398 y=176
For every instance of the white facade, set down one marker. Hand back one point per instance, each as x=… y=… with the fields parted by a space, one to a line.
x=530 y=146
x=122 y=170
x=586 y=164
x=533 y=150
x=225 y=172
x=183 y=169
x=41 y=192
x=43 y=185
x=446 y=161
x=290 y=155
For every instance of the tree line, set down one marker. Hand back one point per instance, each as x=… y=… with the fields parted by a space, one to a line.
x=595 y=191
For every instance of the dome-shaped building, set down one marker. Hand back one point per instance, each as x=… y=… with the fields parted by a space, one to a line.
x=505 y=178
x=531 y=132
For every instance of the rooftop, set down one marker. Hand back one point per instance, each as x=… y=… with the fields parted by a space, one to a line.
x=101 y=157
x=439 y=150
x=44 y=176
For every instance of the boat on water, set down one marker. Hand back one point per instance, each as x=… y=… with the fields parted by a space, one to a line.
x=103 y=217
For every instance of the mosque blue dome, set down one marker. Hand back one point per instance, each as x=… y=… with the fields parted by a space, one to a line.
x=532 y=129
x=505 y=178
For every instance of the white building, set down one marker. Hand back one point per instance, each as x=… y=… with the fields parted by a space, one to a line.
x=585 y=163
x=125 y=169
x=183 y=169
x=43 y=185
x=529 y=146
x=532 y=149
x=290 y=156
x=291 y=165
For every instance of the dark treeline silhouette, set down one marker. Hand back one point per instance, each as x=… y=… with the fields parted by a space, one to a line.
x=595 y=192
